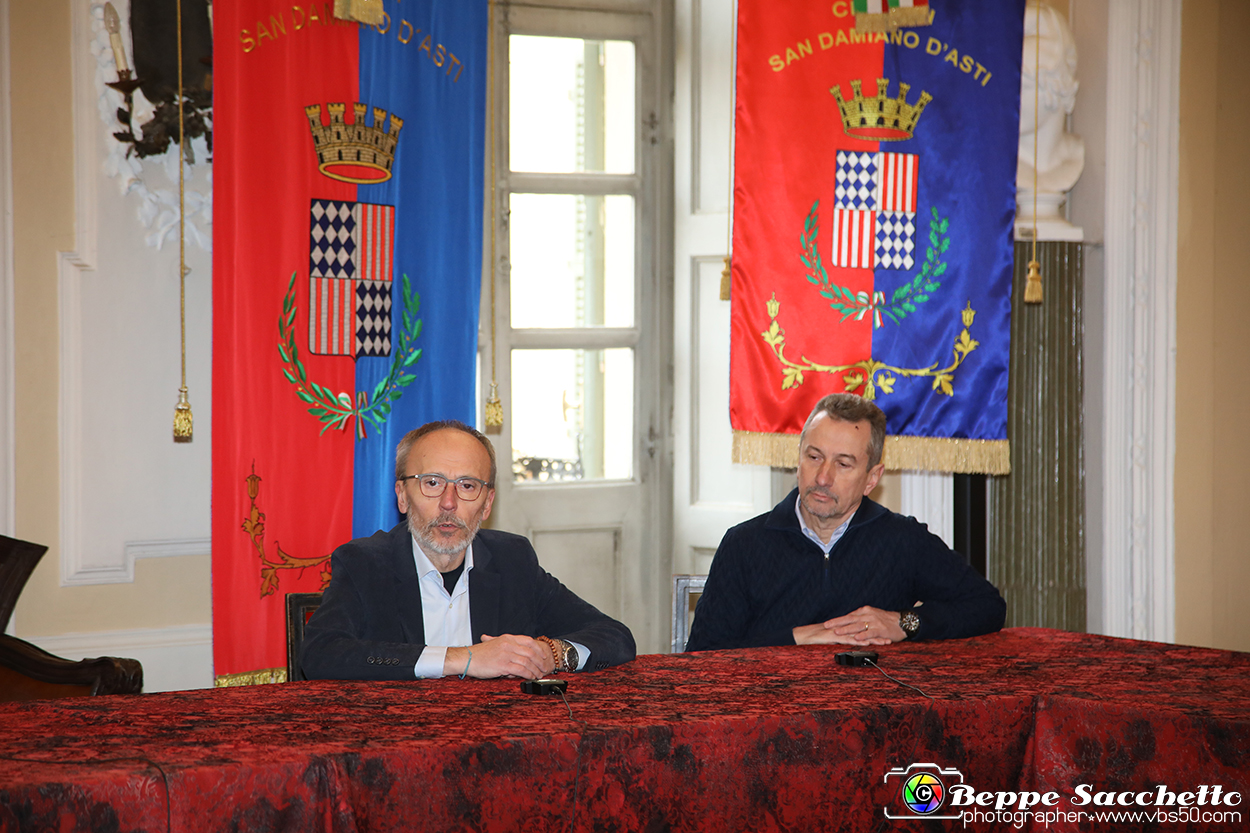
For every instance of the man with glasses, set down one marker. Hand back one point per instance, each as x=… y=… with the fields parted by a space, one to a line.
x=439 y=595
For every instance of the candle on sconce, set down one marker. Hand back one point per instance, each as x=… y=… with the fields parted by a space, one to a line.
x=112 y=23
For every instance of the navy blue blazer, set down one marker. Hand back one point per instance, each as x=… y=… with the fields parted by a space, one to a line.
x=370 y=624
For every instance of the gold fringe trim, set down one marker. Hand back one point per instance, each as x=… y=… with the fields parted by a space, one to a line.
x=954 y=455
x=756 y=449
x=726 y=280
x=362 y=11
x=265 y=676
x=898 y=17
x=901 y=453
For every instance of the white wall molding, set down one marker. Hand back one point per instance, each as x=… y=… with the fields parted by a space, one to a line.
x=109 y=292
x=8 y=487
x=86 y=400
x=123 y=571
x=711 y=33
x=1138 y=546
x=695 y=43
x=710 y=492
x=114 y=643
x=929 y=497
x=167 y=548
x=712 y=477
x=70 y=266
x=173 y=659
x=71 y=269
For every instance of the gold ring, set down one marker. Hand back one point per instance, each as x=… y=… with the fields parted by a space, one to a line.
x=865 y=626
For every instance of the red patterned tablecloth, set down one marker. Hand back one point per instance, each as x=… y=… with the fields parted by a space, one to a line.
x=766 y=739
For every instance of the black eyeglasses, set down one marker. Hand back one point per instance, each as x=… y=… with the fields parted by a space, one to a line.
x=433 y=485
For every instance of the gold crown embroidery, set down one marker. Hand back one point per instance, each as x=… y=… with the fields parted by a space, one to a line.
x=354 y=152
x=880 y=118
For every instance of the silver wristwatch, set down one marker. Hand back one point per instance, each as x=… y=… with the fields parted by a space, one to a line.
x=569 y=657
x=909 y=622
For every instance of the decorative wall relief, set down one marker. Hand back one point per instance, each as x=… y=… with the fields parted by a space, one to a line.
x=142 y=137
x=1051 y=159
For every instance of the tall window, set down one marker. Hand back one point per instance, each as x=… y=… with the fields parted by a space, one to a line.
x=572 y=245
x=580 y=317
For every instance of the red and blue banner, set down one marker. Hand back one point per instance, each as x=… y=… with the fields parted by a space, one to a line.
x=874 y=197
x=347 y=259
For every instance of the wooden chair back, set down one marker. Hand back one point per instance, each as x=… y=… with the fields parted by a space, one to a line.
x=17 y=562
x=299 y=607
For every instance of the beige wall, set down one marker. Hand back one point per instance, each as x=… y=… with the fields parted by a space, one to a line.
x=166 y=591
x=1213 y=340
x=43 y=223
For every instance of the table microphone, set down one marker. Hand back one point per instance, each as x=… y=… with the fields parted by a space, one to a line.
x=858 y=659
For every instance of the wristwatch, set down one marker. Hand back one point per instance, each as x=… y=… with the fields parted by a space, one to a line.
x=909 y=622
x=568 y=656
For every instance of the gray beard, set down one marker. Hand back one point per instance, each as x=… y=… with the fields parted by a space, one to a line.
x=424 y=534
x=831 y=513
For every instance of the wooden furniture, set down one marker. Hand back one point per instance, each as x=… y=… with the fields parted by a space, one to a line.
x=17 y=562
x=28 y=672
x=299 y=606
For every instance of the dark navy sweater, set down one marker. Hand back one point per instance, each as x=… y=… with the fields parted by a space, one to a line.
x=768 y=578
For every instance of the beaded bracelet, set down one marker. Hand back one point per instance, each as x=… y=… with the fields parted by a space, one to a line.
x=466 y=665
x=557 y=655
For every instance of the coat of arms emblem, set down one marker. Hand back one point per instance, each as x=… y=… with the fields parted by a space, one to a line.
x=351 y=263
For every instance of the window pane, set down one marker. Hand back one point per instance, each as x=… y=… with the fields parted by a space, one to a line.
x=571 y=105
x=572 y=260
x=572 y=415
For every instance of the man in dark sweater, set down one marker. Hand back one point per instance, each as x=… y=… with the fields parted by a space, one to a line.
x=828 y=565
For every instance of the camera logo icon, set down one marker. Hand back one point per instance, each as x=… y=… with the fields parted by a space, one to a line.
x=922 y=789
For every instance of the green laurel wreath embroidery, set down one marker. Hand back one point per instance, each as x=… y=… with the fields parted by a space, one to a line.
x=857 y=304
x=335 y=410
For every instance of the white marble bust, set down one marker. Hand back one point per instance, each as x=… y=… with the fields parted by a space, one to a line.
x=1060 y=155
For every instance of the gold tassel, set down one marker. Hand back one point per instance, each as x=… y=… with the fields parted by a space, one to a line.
x=1033 y=284
x=183 y=420
x=726 y=280
x=494 y=411
x=184 y=424
x=362 y=11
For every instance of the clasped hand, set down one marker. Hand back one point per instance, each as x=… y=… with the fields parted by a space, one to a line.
x=506 y=655
x=865 y=626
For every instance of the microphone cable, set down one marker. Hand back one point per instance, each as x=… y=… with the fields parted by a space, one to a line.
x=915 y=744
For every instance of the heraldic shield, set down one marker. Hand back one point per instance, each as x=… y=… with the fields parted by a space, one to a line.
x=350 y=273
x=875 y=215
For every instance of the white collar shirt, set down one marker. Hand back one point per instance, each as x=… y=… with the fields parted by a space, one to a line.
x=445 y=615
x=811 y=533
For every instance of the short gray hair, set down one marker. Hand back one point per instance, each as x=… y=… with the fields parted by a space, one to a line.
x=851 y=408
x=405 y=445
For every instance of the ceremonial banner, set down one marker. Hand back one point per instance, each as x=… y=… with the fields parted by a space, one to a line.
x=874 y=195
x=346 y=277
